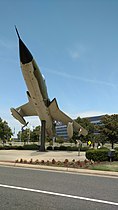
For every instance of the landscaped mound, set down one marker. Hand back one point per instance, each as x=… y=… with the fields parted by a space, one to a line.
x=53 y=162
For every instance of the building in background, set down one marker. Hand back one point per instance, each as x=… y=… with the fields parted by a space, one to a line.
x=96 y=120
x=61 y=130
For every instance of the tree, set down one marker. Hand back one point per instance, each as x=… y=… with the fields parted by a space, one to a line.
x=109 y=128
x=27 y=135
x=60 y=139
x=24 y=135
x=90 y=127
x=5 y=131
x=35 y=134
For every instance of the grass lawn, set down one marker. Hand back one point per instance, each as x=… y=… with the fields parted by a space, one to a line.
x=106 y=166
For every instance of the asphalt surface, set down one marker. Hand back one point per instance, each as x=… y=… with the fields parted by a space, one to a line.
x=27 y=189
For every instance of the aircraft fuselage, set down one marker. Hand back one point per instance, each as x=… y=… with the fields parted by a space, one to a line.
x=38 y=93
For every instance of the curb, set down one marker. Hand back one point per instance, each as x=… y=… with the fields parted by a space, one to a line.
x=65 y=169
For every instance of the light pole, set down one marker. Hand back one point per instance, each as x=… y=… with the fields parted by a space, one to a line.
x=79 y=143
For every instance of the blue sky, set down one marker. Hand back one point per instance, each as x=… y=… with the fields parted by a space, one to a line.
x=75 y=44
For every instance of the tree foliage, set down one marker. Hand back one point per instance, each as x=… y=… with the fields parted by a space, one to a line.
x=90 y=127
x=27 y=135
x=24 y=135
x=109 y=128
x=35 y=134
x=5 y=130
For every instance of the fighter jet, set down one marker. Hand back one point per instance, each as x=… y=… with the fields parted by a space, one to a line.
x=39 y=103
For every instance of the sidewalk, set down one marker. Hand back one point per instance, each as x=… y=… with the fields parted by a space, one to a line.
x=12 y=155
x=8 y=158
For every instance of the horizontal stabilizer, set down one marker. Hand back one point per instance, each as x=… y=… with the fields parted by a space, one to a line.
x=18 y=116
x=60 y=116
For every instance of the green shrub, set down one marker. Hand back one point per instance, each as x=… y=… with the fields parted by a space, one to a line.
x=104 y=148
x=1 y=147
x=84 y=149
x=116 y=148
x=31 y=147
x=69 y=148
x=7 y=147
x=74 y=148
x=116 y=156
x=19 y=147
x=63 y=148
x=25 y=147
x=49 y=148
x=56 y=148
x=13 y=147
x=97 y=154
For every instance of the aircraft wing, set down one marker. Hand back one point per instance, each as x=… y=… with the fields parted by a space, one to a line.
x=58 y=115
x=26 y=110
x=23 y=111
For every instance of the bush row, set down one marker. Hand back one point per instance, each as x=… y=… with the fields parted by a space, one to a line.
x=66 y=148
x=36 y=147
x=100 y=155
x=24 y=147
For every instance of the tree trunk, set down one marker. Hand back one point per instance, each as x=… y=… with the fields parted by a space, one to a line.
x=112 y=144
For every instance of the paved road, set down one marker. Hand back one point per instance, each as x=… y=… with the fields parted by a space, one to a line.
x=27 y=189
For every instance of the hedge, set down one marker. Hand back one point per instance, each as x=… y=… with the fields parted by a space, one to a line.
x=97 y=154
x=36 y=147
x=31 y=147
x=116 y=155
x=67 y=148
x=24 y=147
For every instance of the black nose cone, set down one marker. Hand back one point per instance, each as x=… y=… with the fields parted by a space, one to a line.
x=25 y=55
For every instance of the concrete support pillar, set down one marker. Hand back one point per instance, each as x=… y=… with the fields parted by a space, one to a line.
x=43 y=128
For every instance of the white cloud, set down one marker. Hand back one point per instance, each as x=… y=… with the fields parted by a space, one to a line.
x=77 y=50
x=87 y=114
x=84 y=79
x=91 y=114
x=7 y=44
x=74 y=54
